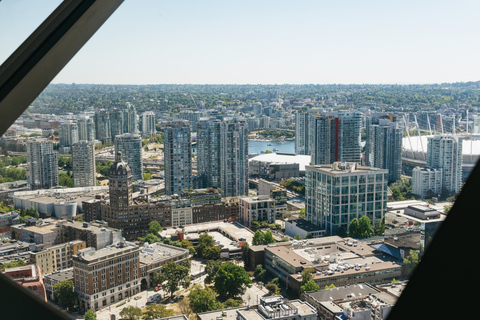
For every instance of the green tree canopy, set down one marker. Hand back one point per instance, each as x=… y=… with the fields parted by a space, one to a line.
x=298 y=236
x=154 y=227
x=260 y=272
x=131 y=313
x=309 y=286
x=176 y=275
x=245 y=248
x=65 y=293
x=412 y=259
x=212 y=253
x=156 y=311
x=231 y=280
x=203 y=300
x=211 y=270
x=257 y=238
x=204 y=241
x=90 y=315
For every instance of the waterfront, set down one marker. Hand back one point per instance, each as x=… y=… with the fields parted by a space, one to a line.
x=255 y=146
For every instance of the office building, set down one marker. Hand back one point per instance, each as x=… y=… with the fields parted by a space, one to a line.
x=148 y=123
x=102 y=126
x=51 y=279
x=42 y=165
x=336 y=137
x=383 y=148
x=116 y=123
x=426 y=182
x=68 y=134
x=445 y=153
x=130 y=145
x=95 y=234
x=208 y=155
x=106 y=276
x=86 y=129
x=129 y=119
x=83 y=162
x=338 y=193
x=233 y=158
x=58 y=257
x=276 y=308
x=178 y=157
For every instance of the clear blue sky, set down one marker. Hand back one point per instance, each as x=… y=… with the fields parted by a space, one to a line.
x=267 y=41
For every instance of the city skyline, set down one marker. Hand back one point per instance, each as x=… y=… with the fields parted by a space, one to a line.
x=266 y=43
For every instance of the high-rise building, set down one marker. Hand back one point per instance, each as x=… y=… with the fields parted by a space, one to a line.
x=83 y=162
x=383 y=148
x=42 y=165
x=130 y=145
x=208 y=155
x=336 y=194
x=336 y=137
x=233 y=158
x=148 y=123
x=476 y=124
x=178 y=157
x=86 y=129
x=68 y=133
x=445 y=153
x=102 y=126
x=129 y=119
x=116 y=123
x=426 y=182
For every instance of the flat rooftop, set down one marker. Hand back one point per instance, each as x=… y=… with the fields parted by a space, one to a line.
x=235 y=230
x=155 y=252
x=301 y=160
x=356 y=290
x=344 y=168
x=66 y=274
x=90 y=254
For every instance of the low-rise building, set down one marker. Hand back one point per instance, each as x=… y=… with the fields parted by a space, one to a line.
x=96 y=233
x=106 y=276
x=51 y=279
x=303 y=228
x=277 y=307
x=259 y=208
x=57 y=257
x=29 y=277
x=41 y=231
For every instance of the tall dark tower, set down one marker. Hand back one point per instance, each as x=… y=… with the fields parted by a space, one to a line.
x=120 y=183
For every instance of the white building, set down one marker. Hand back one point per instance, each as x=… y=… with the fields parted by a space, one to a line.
x=257 y=208
x=42 y=165
x=148 y=123
x=83 y=161
x=426 y=182
x=68 y=133
x=181 y=216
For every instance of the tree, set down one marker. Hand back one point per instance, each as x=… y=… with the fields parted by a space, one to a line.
x=175 y=274
x=258 y=238
x=158 y=278
x=65 y=293
x=298 y=236
x=232 y=303
x=308 y=236
x=381 y=227
x=231 y=280
x=353 y=228
x=260 y=272
x=90 y=315
x=245 y=248
x=147 y=176
x=309 y=286
x=307 y=275
x=185 y=243
x=412 y=259
x=212 y=253
x=203 y=300
x=156 y=311
x=131 y=313
x=446 y=209
x=154 y=227
x=204 y=241
x=365 y=227
x=272 y=287
x=268 y=237
x=332 y=286
x=211 y=270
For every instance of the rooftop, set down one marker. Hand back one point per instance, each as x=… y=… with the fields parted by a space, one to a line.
x=66 y=274
x=345 y=167
x=354 y=290
x=90 y=254
x=155 y=252
x=302 y=160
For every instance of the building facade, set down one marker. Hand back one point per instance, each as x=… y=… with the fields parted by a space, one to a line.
x=129 y=118
x=257 y=208
x=106 y=276
x=58 y=257
x=234 y=158
x=338 y=193
x=445 y=153
x=336 y=137
x=68 y=134
x=102 y=126
x=130 y=145
x=208 y=155
x=83 y=162
x=383 y=148
x=178 y=157
x=148 y=123
x=86 y=129
x=426 y=182
x=42 y=165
